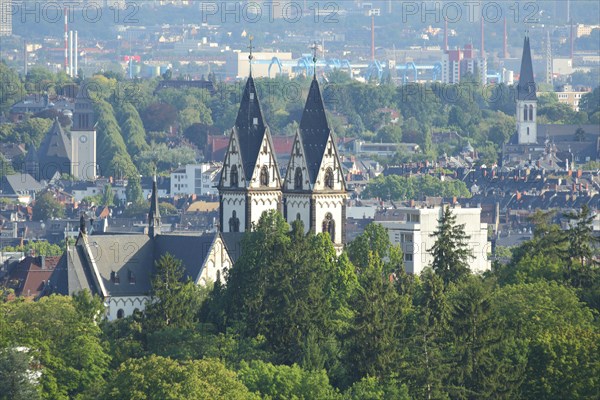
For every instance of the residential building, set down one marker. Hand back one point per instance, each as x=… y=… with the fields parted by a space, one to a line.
x=567 y=95
x=6 y=13
x=195 y=179
x=413 y=227
x=21 y=186
x=30 y=277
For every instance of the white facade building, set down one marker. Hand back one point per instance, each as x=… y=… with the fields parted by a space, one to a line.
x=414 y=228
x=198 y=179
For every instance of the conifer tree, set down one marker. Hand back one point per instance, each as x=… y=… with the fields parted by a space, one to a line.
x=380 y=317
x=581 y=238
x=450 y=252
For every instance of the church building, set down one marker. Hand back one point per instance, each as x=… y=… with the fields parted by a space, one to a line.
x=548 y=146
x=313 y=189
x=60 y=153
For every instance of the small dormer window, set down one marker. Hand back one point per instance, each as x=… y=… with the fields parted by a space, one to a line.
x=114 y=277
x=251 y=96
x=131 y=277
x=255 y=121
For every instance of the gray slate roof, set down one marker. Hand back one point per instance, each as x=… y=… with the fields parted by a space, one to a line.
x=250 y=135
x=526 y=85
x=314 y=130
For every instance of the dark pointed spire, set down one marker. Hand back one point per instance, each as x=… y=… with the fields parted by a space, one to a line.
x=314 y=130
x=526 y=86
x=154 y=214
x=250 y=126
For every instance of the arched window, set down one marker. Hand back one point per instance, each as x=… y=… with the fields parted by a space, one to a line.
x=531 y=112
x=329 y=226
x=264 y=176
x=525 y=113
x=120 y=313
x=298 y=179
x=234 y=176
x=298 y=218
x=329 y=178
x=527 y=131
x=234 y=223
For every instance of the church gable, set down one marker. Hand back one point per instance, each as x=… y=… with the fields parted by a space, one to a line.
x=232 y=175
x=265 y=173
x=297 y=173
x=330 y=176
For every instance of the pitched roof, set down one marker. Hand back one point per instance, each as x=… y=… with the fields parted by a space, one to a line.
x=314 y=130
x=31 y=274
x=191 y=250
x=56 y=143
x=250 y=127
x=19 y=183
x=526 y=85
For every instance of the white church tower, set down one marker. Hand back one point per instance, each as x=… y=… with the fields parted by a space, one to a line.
x=250 y=181
x=83 y=137
x=526 y=99
x=314 y=190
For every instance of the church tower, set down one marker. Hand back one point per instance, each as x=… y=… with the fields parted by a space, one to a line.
x=526 y=99
x=83 y=137
x=314 y=190
x=154 y=222
x=250 y=180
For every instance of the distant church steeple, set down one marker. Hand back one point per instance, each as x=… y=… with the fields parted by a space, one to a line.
x=154 y=214
x=314 y=191
x=250 y=181
x=526 y=99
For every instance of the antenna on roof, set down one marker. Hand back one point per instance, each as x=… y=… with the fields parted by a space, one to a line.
x=250 y=56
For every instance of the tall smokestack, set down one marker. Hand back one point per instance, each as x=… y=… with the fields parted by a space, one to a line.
x=505 y=43
x=71 y=54
x=482 y=39
x=76 y=67
x=572 y=41
x=372 y=36
x=446 y=35
x=66 y=41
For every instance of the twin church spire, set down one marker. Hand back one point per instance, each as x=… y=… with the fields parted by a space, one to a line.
x=313 y=189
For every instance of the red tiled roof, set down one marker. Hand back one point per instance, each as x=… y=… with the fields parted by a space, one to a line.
x=30 y=275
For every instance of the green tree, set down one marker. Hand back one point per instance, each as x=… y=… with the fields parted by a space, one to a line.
x=390 y=134
x=485 y=363
x=175 y=301
x=581 y=238
x=451 y=251
x=371 y=388
x=65 y=341
x=428 y=362
x=108 y=197
x=159 y=378
x=563 y=364
x=133 y=191
x=375 y=239
x=16 y=381
x=286 y=382
x=379 y=320
x=47 y=207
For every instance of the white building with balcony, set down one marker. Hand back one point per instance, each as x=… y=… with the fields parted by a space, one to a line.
x=198 y=179
x=412 y=228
